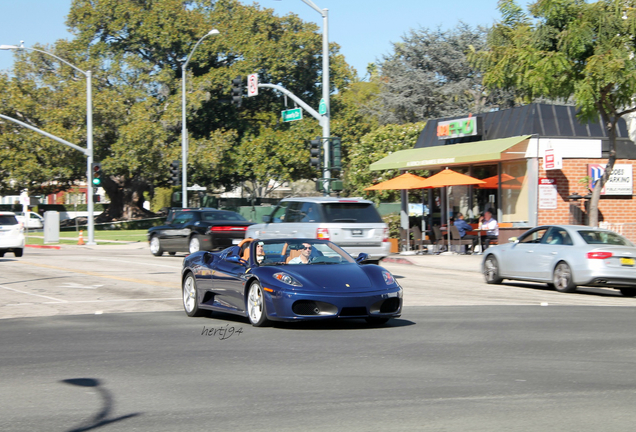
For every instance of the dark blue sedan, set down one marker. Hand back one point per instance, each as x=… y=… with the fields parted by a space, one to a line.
x=289 y=280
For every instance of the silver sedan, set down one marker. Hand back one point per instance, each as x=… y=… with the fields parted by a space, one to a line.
x=564 y=257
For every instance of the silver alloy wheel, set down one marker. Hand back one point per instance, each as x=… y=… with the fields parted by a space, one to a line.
x=189 y=294
x=155 y=246
x=491 y=270
x=195 y=245
x=562 y=278
x=255 y=306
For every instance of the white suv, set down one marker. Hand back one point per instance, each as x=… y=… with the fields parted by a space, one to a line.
x=352 y=223
x=11 y=234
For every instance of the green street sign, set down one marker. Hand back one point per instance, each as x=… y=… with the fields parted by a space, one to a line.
x=322 y=108
x=292 y=114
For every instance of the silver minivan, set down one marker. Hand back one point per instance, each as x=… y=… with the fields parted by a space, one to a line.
x=352 y=223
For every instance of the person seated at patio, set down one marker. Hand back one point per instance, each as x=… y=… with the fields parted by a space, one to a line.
x=463 y=227
x=490 y=225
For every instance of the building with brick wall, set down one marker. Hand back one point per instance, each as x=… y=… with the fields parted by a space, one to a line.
x=537 y=162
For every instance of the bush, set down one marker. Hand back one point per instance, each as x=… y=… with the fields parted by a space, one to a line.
x=393 y=221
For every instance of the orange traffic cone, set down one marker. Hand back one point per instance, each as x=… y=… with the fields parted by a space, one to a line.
x=80 y=241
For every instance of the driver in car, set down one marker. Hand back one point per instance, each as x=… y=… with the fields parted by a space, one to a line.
x=303 y=258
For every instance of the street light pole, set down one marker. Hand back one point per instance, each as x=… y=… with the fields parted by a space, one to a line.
x=326 y=127
x=184 y=128
x=89 y=135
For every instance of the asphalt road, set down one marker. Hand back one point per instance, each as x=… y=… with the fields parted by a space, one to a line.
x=457 y=368
x=95 y=338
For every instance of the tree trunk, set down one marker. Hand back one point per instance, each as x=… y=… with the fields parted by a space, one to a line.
x=126 y=198
x=600 y=183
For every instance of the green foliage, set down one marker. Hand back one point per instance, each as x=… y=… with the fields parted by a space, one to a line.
x=162 y=198
x=570 y=48
x=428 y=76
x=372 y=147
x=393 y=220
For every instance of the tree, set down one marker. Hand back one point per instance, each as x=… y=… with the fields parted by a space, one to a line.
x=373 y=147
x=428 y=76
x=568 y=48
x=135 y=51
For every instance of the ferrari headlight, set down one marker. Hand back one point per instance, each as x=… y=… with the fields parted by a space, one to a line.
x=288 y=279
x=388 y=277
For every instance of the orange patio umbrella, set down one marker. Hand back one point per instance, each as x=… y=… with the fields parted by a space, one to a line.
x=493 y=182
x=405 y=181
x=446 y=178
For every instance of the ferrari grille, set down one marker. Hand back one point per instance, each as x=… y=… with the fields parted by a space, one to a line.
x=306 y=307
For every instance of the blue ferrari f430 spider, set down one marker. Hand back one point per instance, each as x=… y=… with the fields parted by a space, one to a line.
x=289 y=280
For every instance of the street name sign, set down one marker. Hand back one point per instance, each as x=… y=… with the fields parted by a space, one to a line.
x=292 y=114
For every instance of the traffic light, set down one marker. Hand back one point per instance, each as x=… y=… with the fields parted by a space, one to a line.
x=97 y=173
x=314 y=151
x=336 y=153
x=237 y=90
x=175 y=174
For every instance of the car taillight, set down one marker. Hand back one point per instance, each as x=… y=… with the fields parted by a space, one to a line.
x=228 y=228
x=599 y=255
x=322 y=233
x=385 y=235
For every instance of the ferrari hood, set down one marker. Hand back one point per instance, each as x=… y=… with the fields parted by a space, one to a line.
x=331 y=278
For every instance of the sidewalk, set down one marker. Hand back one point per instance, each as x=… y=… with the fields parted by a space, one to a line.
x=470 y=263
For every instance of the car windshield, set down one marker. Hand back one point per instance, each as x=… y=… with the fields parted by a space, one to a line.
x=309 y=252
x=8 y=220
x=351 y=212
x=604 y=237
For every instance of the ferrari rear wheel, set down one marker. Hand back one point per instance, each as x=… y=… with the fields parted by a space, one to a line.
x=155 y=246
x=194 y=245
x=255 y=303
x=190 y=303
x=18 y=252
x=491 y=270
x=562 y=278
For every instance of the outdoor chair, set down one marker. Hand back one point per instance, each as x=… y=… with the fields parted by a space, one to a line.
x=439 y=238
x=456 y=240
x=418 y=239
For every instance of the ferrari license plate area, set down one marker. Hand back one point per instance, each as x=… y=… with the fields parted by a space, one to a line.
x=628 y=262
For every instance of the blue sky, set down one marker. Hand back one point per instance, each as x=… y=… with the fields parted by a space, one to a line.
x=364 y=29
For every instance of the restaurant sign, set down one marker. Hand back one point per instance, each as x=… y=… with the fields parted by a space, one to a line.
x=470 y=126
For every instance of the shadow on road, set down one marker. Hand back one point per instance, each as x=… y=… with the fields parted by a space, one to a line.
x=101 y=418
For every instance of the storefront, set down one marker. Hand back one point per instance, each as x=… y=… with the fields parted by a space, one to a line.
x=537 y=162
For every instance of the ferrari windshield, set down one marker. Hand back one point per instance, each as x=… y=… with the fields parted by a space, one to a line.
x=299 y=252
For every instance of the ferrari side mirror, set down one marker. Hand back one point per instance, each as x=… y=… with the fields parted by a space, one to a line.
x=513 y=240
x=362 y=257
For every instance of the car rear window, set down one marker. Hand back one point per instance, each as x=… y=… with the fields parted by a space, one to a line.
x=604 y=237
x=351 y=213
x=222 y=216
x=8 y=220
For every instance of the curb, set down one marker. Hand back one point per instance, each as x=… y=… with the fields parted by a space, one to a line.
x=42 y=246
x=398 y=260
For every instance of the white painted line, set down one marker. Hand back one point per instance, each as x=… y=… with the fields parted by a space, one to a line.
x=116 y=300
x=141 y=263
x=37 y=295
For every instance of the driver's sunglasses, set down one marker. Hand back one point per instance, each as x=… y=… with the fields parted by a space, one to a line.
x=307 y=248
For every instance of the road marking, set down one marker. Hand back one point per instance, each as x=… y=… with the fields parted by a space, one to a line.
x=116 y=300
x=76 y=285
x=140 y=281
x=150 y=264
x=36 y=295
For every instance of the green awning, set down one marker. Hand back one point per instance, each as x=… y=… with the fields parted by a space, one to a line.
x=454 y=154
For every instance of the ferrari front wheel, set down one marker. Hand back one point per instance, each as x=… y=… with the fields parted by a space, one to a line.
x=255 y=304
x=189 y=291
x=491 y=270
